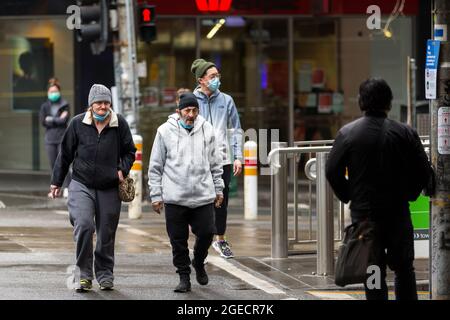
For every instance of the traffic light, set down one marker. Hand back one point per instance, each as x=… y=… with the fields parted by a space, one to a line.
x=146 y=21
x=94 y=24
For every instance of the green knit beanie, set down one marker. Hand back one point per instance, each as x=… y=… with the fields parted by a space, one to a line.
x=200 y=66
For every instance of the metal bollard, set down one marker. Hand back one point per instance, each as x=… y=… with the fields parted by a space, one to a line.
x=250 y=180
x=279 y=204
x=135 y=206
x=325 y=220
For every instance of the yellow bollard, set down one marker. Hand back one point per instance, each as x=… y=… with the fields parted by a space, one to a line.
x=250 y=180
x=135 y=206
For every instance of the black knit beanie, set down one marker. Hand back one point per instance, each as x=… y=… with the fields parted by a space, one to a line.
x=187 y=100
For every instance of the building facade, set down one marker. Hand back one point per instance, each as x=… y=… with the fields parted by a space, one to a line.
x=292 y=65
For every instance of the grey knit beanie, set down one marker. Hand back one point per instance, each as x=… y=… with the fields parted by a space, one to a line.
x=99 y=93
x=200 y=66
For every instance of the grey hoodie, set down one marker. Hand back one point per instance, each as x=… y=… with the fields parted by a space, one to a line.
x=219 y=110
x=185 y=167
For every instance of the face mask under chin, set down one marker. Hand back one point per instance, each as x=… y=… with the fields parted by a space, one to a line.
x=184 y=125
x=99 y=117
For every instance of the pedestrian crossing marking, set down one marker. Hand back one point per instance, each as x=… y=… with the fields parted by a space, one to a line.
x=326 y=295
x=245 y=276
x=346 y=295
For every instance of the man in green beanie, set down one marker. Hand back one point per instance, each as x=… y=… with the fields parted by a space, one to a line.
x=218 y=108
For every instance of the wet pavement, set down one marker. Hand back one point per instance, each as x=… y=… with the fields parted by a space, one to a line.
x=36 y=248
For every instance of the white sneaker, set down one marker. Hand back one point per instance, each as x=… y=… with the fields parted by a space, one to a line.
x=223 y=248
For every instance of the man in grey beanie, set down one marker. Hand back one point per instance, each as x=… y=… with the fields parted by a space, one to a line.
x=100 y=146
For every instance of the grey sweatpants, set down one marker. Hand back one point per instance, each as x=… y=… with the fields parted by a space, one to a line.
x=90 y=211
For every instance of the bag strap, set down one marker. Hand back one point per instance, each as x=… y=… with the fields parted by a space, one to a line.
x=118 y=144
x=379 y=156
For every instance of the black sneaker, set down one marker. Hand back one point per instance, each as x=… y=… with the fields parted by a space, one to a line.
x=200 y=273
x=107 y=285
x=85 y=285
x=185 y=284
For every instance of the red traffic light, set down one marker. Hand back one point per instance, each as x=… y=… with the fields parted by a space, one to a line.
x=146 y=14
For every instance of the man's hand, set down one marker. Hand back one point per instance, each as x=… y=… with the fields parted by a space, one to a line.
x=48 y=120
x=218 y=201
x=55 y=191
x=64 y=115
x=237 y=167
x=120 y=174
x=157 y=206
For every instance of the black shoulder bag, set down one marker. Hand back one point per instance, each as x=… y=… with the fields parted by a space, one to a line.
x=358 y=246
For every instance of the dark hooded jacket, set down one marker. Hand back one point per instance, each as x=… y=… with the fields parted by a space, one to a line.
x=54 y=128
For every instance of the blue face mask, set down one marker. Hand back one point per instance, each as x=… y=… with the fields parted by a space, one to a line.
x=99 y=117
x=214 y=84
x=186 y=126
x=54 y=96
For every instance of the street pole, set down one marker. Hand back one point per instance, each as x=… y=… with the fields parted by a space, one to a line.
x=440 y=158
x=127 y=84
x=126 y=78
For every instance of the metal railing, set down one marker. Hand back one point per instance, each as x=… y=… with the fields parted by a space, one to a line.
x=279 y=196
x=297 y=158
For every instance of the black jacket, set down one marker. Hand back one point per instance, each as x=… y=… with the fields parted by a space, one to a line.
x=54 y=128
x=95 y=156
x=378 y=180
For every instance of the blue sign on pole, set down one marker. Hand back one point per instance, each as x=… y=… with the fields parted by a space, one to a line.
x=432 y=63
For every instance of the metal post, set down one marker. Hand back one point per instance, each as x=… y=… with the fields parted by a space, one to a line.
x=279 y=204
x=325 y=220
x=411 y=91
x=291 y=82
x=440 y=158
x=408 y=91
x=125 y=64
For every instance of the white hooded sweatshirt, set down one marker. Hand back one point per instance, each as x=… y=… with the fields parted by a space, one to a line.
x=185 y=167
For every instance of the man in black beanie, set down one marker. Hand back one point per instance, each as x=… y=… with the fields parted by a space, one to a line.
x=185 y=173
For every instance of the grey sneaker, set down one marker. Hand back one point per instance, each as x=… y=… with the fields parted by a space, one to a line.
x=223 y=248
x=107 y=285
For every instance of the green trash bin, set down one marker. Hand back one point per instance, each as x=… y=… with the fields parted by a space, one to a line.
x=420 y=216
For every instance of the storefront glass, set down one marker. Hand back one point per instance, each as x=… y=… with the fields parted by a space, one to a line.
x=165 y=65
x=32 y=50
x=331 y=57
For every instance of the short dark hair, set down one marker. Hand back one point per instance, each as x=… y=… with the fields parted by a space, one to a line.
x=53 y=82
x=375 y=94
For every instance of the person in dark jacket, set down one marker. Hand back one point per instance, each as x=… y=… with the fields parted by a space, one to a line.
x=387 y=167
x=54 y=116
x=99 y=145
